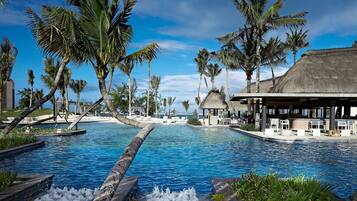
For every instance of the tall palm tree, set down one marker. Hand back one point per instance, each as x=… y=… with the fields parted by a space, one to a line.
x=262 y=18
x=296 y=39
x=48 y=78
x=148 y=89
x=127 y=67
x=186 y=105
x=37 y=95
x=63 y=85
x=8 y=54
x=78 y=86
x=201 y=61
x=170 y=102
x=273 y=54
x=164 y=103
x=31 y=80
x=155 y=84
x=55 y=32
x=212 y=71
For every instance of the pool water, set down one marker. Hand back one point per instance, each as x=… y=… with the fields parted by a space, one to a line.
x=181 y=157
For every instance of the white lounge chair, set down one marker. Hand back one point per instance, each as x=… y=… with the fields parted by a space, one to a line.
x=269 y=132
x=301 y=132
x=345 y=133
x=316 y=132
x=274 y=124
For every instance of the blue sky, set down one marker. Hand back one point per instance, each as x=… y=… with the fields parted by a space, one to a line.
x=181 y=27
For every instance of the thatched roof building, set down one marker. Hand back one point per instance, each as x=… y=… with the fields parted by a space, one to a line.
x=265 y=86
x=214 y=100
x=321 y=71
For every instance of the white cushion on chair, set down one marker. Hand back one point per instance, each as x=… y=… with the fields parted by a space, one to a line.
x=345 y=133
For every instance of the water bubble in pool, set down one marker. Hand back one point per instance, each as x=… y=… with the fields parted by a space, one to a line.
x=68 y=194
x=166 y=195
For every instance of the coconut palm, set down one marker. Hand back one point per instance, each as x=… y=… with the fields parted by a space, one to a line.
x=201 y=61
x=127 y=67
x=148 y=90
x=261 y=18
x=37 y=95
x=155 y=84
x=78 y=86
x=212 y=71
x=63 y=86
x=273 y=54
x=48 y=78
x=8 y=53
x=296 y=39
x=164 y=103
x=30 y=80
x=170 y=102
x=186 y=105
x=55 y=32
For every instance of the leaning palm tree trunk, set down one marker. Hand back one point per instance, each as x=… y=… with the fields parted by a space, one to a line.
x=40 y=102
x=73 y=124
x=111 y=183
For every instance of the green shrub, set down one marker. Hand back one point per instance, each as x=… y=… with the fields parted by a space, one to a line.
x=14 y=140
x=194 y=121
x=218 y=197
x=17 y=112
x=258 y=188
x=248 y=127
x=6 y=179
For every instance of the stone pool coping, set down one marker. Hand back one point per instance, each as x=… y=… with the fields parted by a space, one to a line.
x=295 y=139
x=7 y=153
x=64 y=134
x=27 y=187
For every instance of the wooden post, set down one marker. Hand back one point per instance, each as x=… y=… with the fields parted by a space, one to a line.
x=332 y=118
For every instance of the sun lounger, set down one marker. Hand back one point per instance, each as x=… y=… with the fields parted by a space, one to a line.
x=274 y=124
x=269 y=132
x=345 y=133
x=316 y=132
x=301 y=133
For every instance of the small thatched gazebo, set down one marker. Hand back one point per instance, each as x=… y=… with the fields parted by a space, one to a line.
x=215 y=105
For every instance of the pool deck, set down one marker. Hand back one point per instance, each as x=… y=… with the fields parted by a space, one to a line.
x=296 y=139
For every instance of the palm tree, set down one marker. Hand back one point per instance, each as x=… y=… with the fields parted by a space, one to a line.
x=48 y=78
x=197 y=101
x=127 y=67
x=212 y=71
x=30 y=80
x=8 y=53
x=170 y=102
x=201 y=61
x=55 y=32
x=78 y=86
x=273 y=54
x=186 y=105
x=296 y=40
x=164 y=103
x=261 y=19
x=37 y=95
x=148 y=90
x=63 y=85
x=155 y=84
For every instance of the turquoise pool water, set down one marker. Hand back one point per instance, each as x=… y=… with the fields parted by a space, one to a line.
x=181 y=157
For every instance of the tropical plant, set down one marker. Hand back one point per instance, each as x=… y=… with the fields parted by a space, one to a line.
x=148 y=89
x=202 y=62
x=164 y=103
x=122 y=96
x=77 y=87
x=155 y=84
x=8 y=53
x=30 y=80
x=48 y=78
x=197 y=101
x=273 y=54
x=63 y=86
x=170 y=102
x=296 y=39
x=212 y=71
x=186 y=105
x=261 y=18
x=127 y=67
x=55 y=32
x=27 y=94
x=7 y=179
x=194 y=121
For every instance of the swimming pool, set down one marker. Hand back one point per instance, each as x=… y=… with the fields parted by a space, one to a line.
x=180 y=157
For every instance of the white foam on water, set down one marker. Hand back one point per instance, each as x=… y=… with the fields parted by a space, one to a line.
x=68 y=194
x=166 y=195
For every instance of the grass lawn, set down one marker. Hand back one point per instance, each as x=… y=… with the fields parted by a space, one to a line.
x=252 y=187
x=6 y=179
x=15 y=140
x=17 y=112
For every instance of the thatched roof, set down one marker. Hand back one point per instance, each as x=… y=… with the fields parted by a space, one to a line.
x=213 y=100
x=265 y=86
x=322 y=71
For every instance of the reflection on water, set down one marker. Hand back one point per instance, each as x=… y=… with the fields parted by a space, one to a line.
x=180 y=157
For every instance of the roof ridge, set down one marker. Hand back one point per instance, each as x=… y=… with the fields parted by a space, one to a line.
x=329 y=51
